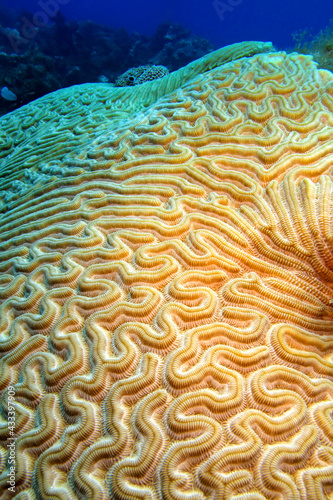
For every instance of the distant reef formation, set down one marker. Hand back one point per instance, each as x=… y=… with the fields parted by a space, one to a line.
x=320 y=46
x=35 y=61
x=66 y=53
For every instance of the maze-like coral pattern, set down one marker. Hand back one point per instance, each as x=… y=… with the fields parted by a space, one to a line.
x=167 y=311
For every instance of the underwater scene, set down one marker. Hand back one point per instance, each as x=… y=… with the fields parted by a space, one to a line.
x=166 y=250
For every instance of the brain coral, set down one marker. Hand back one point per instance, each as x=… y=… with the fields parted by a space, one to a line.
x=166 y=285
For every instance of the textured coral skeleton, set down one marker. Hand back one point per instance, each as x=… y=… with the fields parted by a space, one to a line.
x=166 y=289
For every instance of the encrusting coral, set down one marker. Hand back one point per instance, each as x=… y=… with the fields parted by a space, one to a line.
x=166 y=285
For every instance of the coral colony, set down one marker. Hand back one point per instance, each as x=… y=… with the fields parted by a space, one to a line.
x=166 y=286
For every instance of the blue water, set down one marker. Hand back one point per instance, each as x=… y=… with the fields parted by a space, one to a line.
x=221 y=22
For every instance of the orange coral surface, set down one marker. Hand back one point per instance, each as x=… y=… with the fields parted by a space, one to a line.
x=166 y=312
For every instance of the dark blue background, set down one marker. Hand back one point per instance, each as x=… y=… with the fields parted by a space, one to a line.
x=266 y=20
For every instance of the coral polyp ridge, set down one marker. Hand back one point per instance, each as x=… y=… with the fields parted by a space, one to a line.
x=166 y=286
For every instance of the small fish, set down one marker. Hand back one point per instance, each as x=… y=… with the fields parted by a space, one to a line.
x=8 y=94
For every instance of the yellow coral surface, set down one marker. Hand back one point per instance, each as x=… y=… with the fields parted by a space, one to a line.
x=166 y=288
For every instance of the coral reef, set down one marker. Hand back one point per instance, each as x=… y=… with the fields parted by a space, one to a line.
x=320 y=46
x=166 y=289
x=66 y=53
